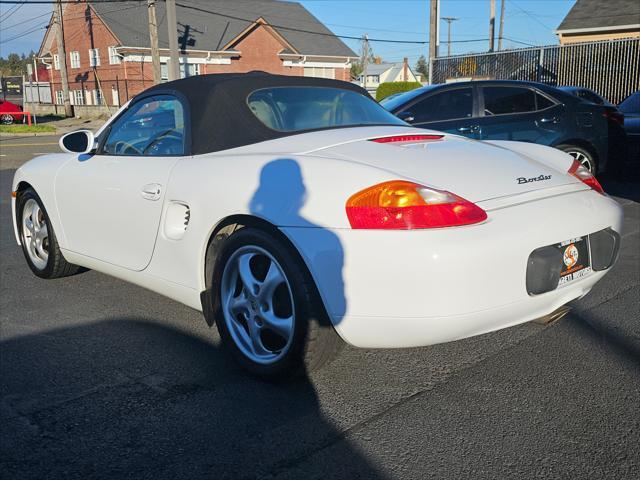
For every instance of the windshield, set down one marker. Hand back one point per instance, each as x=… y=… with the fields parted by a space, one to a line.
x=292 y=109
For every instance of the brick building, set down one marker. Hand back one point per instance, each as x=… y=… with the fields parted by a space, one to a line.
x=109 y=55
x=594 y=20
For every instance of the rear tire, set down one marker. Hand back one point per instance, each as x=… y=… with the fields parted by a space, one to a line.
x=39 y=244
x=584 y=156
x=6 y=119
x=267 y=310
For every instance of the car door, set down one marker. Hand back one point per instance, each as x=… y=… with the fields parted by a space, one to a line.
x=450 y=110
x=518 y=113
x=110 y=203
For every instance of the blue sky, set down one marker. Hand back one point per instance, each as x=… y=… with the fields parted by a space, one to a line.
x=527 y=22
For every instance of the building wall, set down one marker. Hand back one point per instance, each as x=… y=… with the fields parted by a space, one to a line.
x=118 y=82
x=594 y=37
x=83 y=30
x=259 y=51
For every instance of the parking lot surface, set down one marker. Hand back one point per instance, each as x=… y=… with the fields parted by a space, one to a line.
x=103 y=379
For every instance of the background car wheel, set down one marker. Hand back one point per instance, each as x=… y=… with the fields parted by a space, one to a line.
x=38 y=239
x=6 y=119
x=267 y=310
x=584 y=156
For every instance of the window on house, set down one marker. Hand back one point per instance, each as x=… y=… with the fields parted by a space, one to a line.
x=98 y=98
x=94 y=57
x=56 y=61
x=77 y=97
x=75 y=59
x=189 y=69
x=114 y=58
x=59 y=97
x=164 y=71
x=115 y=97
x=320 y=72
x=186 y=70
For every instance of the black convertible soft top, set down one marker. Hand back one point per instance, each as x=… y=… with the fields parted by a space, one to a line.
x=219 y=115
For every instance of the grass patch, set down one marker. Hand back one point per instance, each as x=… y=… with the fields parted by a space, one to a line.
x=27 y=129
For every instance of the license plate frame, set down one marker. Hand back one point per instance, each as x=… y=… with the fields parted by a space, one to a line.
x=576 y=260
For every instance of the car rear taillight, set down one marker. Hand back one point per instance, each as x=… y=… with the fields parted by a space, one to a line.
x=403 y=205
x=408 y=138
x=585 y=176
x=614 y=115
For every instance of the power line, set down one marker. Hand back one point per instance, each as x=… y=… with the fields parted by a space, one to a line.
x=7 y=40
x=48 y=14
x=12 y=10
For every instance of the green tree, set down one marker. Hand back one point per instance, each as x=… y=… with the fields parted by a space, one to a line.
x=422 y=68
x=357 y=66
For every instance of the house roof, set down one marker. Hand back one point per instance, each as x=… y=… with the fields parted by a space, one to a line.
x=213 y=25
x=380 y=68
x=598 y=15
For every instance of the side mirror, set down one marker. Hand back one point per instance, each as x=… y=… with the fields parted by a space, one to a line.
x=80 y=141
x=406 y=116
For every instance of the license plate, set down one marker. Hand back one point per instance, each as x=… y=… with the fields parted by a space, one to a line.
x=576 y=261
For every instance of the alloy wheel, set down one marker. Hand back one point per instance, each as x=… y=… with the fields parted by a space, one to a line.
x=6 y=119
x=584 y=160
x=35 y=234
x=257 y=304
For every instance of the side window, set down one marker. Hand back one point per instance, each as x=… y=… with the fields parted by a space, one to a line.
x=543 y=102
x=501 y=100
x=152 y=127
x=449 y=105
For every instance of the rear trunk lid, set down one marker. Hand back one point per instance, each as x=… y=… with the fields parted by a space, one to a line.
x=477 y=171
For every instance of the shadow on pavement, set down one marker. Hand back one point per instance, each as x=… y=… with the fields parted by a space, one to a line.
x=79 y=403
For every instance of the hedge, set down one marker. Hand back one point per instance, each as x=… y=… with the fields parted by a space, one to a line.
x=389 y=88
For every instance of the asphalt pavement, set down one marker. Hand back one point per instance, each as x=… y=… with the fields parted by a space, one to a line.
x=103 y=379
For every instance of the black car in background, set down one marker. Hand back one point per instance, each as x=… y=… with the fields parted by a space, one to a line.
x=511 y=110
x=630 y=108
x=586 y=94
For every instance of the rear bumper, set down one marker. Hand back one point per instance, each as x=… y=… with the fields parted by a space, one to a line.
x=421 y=287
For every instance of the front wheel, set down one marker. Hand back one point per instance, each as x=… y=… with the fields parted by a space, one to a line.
x=38 y=239
x=268 y=313
x=6 y=119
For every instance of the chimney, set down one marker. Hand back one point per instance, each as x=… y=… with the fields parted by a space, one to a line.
x=405 y=69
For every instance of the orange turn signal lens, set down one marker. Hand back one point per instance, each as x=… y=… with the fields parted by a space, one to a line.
x=404 y=205
x=14 y=194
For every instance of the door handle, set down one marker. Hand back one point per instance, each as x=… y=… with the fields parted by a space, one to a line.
x=549 y=120
x=151 y=191
x=468 y=129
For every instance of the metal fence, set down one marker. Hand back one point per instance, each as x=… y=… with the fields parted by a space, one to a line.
x=611 y=68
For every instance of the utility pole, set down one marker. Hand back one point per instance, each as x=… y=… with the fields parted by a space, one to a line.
x=449 y=20
x=365 y=60
x=153 y=40
x=433 y=30
x=492 y=24
x=172 y=25
x=501 y=30
x=62 y=55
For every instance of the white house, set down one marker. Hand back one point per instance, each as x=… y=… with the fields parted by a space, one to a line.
x=378 y=73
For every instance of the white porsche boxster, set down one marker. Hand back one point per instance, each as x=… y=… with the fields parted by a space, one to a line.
x=296 y=213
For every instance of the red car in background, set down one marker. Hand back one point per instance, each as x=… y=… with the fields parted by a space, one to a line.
x=10 y=113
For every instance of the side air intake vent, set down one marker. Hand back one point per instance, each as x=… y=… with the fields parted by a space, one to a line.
x=176 y=220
